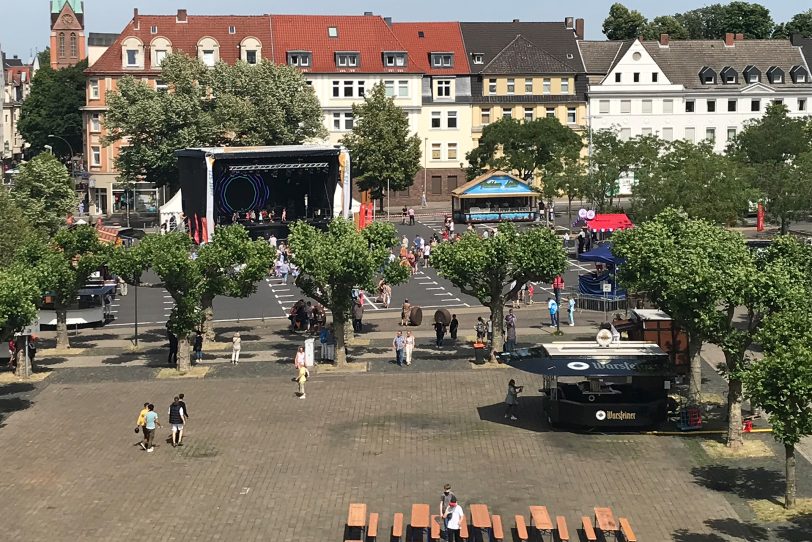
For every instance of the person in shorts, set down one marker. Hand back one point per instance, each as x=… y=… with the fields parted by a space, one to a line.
x=150 y=424
x=445 y=500
x=177 y=417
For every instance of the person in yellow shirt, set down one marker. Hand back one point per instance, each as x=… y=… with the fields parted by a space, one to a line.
x=301 y=378
x=139 y=425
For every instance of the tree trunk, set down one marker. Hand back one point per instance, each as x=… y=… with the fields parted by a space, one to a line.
x=784 y=225
x=24 y=368
x=695 y=379
x=789 y=495
x=339 y=325
x=207 y=303
x=380 y=205
x=569 y=212
x=734 y=414
x=62 y=341
x=184 y=354
x=497 y=317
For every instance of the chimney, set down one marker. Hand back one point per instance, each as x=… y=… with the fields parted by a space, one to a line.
x=568 y=23
x=796 y=39
x=388 y=21
x=579 y=29
x=740 y=37
x=664 y=40
x=182 y=16
x=368 y=14
x=516 y=20
x=729 y=38
x=136 y=21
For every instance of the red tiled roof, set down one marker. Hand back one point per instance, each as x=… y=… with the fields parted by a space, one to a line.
x=185 y=36
x=436 y=38
x=368 y=35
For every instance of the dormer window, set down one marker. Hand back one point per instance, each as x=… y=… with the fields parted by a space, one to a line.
x=153 y=29
x=332 y=32
x=729 y=76
x=346 y=60
x=442 y=60
x=799 y=74
x=752 y=74
x=132 y=58
x=132 y=53
x=707 y=76
x=232 y=29
x=775 y=75
x=299 y=58
x=394 y=59
x=479 y=58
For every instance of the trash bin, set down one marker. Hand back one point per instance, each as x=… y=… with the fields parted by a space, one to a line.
x=480 y=356
x=309 y=346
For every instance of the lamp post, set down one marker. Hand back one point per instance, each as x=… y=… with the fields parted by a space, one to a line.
x=425 y=161
x=48 y=148
x=70 y=148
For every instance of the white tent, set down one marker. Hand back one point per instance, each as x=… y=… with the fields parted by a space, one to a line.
x=173 y=209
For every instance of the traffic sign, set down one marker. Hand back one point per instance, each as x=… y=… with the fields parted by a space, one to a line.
x=606 y=287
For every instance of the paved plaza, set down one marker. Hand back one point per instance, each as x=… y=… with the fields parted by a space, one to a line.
x=261 y=465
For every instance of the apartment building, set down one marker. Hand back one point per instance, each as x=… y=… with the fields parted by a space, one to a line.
x=16 y=86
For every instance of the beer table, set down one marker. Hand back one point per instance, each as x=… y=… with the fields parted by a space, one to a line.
x=540 y=519
x=357 y=518
x=480 y=518
x=419 y=520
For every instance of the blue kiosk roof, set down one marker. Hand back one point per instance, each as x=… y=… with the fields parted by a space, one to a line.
x=494 y=184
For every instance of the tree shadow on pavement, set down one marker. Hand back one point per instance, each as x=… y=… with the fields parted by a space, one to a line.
x=799 y=529
x=731 y=529
x=527 y=412
x=13 y=399
x=745 y=482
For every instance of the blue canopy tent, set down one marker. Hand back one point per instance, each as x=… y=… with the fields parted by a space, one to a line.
x=591 y=284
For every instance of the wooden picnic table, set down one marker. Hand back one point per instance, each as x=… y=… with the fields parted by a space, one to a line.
x=420 y=516
x=357 y=516
x=604 y=520
x=540 y=519
x=480 y=517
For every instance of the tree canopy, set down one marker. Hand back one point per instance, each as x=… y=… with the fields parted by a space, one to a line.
x=15 y=229
x=43 y=191
x=241 y=104
x=623 y=23
x=383 y=151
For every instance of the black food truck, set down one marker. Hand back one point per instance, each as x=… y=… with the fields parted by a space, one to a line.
x=613 y=384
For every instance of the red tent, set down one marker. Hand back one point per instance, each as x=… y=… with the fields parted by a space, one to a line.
x=609 y=222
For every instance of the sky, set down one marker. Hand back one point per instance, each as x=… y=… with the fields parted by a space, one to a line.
x=24 y=24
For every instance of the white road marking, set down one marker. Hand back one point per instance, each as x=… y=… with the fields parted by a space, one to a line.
x=437 y=288
x=445 y=293
x=278 y=296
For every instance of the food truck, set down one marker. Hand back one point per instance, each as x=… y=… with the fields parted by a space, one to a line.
x=605 y=385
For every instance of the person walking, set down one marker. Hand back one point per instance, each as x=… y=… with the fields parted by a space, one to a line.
x=480 y=329
x=357 y=315
x=399 y=346
x=299 y=358
x=423 y=202
x=198 y=346
x=139 y=424
x=510 y=330
x=552 y=306
x=236 y=346
x=411 y=216
x=409 y=347
x=176 y=419
x=531 y=289
x=571 y=311
x=445 y=500
x=439 y=331
x=512 y=399
x=150 y=423
x=405 y=311
x=403 y=213
x=453 y=327
x=185 y=408
x=453 y=519
x=301 y=378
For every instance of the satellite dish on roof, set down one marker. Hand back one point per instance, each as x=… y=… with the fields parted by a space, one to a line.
x=604 y=338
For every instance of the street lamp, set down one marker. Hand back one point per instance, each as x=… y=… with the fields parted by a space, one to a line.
x=48 y=148
x=70 y=148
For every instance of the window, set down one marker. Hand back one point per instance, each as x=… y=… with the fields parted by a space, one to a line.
x=654 y=77
x=436 y=184
x=710 y=134
x=690 y=134
x=452 y=151
x=160 y=55
x=711 y=106
x=397 y=60
x=511 y=86
x=436 y=119
x=479 y=58
x=565 y=86
x=94 y=89
x=778 y=101
x=603 y=107
x=625 y=106
x=348 y=89
x=507 y=113
x=361 y=89
x=732 y=105
x=690 y=106
x=442 y=61
x=95 y=122
x=617 y=78
x=444 y=88
x=668 y=107
x=550 y=112
x=452 y=119
x=161 y=86
x=753 y=78
x=668 y=134
x=337 y=89
x=800 y=77
x=645 y=132
x=436 y=151
x=346 y=60
x=546 y=85
x=636 y=77
x=730 y=77
x=342 y=121
x=337 y=121
x=625 y=134
x=647 y=107
x=485 y=116
x=332 y=32
x=389 y=87
x=778 y=78
x=153 y=29
x=452 y=182
x=208 y=57
x=95 y=155
x=528 y=114
x=299 y=59
x=528 y=86
x=61 y=45
x=491 y=86
x=801 y=104
x=132 y=58
x=251 y=57
x=571 y=115
x=731 y=134
x=709 y=78
x=74 y=46
x=232 y=30
x=403 y=89
x=755 y=105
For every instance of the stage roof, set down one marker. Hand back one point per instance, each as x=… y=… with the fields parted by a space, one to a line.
x=494 y=184
x=279 y=151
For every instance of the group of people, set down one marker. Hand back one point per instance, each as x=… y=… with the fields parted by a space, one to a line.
x=17 y=347
x=283 y=267
x=553 y=308
x=260 y=216
x=306 y=316
x=403 y=347
x=148 y=423
x=414 y=253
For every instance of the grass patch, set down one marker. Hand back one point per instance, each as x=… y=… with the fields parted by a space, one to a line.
x=59 y=352
x=11 y=378
x=489 y=365
x=217 y=346
x=194 y=372
x=357 y=367
x=771 y=512
x=751 y=448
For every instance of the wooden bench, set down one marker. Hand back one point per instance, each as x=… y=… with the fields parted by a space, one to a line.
x=496 y=528
x=589 y=531
x=563 y=531
x=521 y=529
x=435 y=527
x=464 y=529
x=626 y=530
x=372 y=529
x=397 y=527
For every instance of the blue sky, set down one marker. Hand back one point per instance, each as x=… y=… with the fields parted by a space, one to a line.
x=24 y=24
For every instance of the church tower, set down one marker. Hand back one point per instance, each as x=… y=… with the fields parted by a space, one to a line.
x=67 y=33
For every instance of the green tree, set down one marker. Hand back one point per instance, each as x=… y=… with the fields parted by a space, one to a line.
x=751 y=19
x=231 y=265
x=624 y=24
x=528 y=149
x=692 y=177
x=778 y=150
x=384 y=154
x=572 y=181
x=19 y=298
x=62 y=267
x=335 y=261
x=486 y=268
x=15 y=229
x=801 y=23
x=43 y=191
x=666 y=24
x=610 y=158
x=266 y=104
x=54 y=108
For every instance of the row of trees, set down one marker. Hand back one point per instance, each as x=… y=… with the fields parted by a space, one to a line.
x=708 y=22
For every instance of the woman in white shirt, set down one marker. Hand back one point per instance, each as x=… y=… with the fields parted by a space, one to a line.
x=236 y=346
x=453 y=515
x=409 y=347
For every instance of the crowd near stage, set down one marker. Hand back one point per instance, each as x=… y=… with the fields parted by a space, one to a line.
x=263 y=188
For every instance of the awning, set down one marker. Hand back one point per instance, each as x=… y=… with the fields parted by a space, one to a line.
x=494 y=184
x=601 y=254
x=609 y=222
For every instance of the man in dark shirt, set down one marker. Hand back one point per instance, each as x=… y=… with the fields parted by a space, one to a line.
x=183 y=404
x=177 y=418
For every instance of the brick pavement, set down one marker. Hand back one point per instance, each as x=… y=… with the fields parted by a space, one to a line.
x=262 y=465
